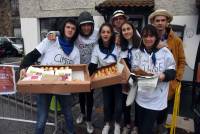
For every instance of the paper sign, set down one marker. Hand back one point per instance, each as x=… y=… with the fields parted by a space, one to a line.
x=7 y=80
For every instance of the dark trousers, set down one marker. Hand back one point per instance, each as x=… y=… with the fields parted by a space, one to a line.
x=126 y=110
x=86 y=102
x=145 y=119
x=162 y=117
x=112 y=99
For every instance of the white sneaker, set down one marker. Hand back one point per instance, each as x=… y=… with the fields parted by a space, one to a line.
x=135 y=130
x=80 y=118
x=90 y=128
x=106 y=129
x=126 y=130
x=117 y=128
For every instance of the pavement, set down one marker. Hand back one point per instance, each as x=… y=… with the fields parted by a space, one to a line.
x=16 y=127
x=185 y=119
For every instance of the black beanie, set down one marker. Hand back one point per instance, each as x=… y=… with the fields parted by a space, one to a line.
x=85 y=17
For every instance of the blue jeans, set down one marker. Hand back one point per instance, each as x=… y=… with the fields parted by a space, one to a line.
x=43 y=102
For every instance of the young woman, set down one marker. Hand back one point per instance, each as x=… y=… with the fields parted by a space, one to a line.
x=129 y=42
x=157 y=62
x=59 y=52
x=106 y=53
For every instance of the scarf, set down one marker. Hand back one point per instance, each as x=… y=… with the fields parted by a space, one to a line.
x=130 y=55
x=108 y=51
x=153 y=57
x=163 y=37
x=66 y=45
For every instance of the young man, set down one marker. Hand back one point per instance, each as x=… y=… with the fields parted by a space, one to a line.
x=161 y=19
x=118 y=18
x=47 y=52
x=85 y=42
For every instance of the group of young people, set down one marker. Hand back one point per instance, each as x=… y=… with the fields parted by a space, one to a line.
x=81 y=43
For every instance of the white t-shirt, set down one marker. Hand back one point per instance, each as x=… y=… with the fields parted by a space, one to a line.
x=52 y=53
x=98 y=57
x=156 y=100
x=86 y=45
x=124 y=54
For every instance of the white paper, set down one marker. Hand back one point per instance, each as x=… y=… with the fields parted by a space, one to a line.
x=148 y=84
x=78 y=75
x=132 y=93
x=120 y=67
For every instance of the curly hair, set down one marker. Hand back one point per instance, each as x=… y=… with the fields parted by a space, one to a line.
x=62 y=29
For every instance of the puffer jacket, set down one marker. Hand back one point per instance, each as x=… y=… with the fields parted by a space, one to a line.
x=175 y=45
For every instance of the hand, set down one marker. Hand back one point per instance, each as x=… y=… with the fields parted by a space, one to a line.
x=51 y=36
x=22 y=73
x=161 y=77
x=139 y=71
x=160 y=45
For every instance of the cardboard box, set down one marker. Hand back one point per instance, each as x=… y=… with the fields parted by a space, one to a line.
x=57 y=86
x=121 y=77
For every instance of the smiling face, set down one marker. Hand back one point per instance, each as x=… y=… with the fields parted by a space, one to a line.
x=127 y=31
x=106 y=34
x=69 y=30
x=150 y=37
x=148 y=40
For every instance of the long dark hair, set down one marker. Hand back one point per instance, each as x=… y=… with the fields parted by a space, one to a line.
x=152 y=31
x=135 y=38
x=62 y=29
x=112 y=39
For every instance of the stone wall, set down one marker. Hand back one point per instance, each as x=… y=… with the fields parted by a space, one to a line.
x=56 y=8
x=64 y=8
x=178 y=7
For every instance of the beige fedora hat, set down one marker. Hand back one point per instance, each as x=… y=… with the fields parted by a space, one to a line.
x=160 y=12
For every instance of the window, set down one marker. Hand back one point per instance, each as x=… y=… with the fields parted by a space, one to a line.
x=179 y=30
x=51 y=24
x=137 y=21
